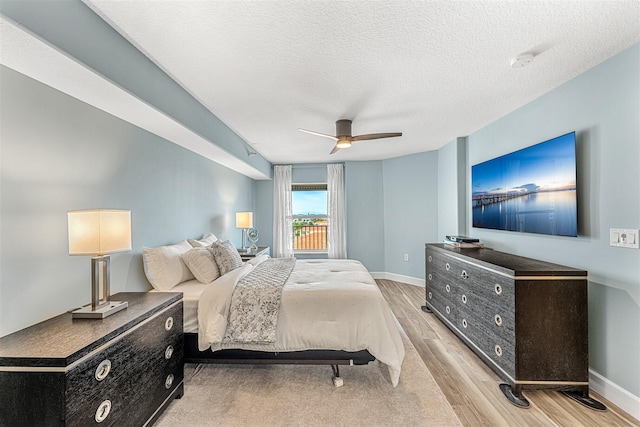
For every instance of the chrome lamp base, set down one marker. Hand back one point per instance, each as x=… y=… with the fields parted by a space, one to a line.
x=107 y=310
x=101 y=306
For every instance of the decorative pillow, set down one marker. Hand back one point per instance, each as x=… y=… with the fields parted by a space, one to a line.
x=164 y=266
x=205 y=241
x=201 y=263
x=226 y=256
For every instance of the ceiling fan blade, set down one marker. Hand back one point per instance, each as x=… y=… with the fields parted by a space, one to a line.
x=318 y=134
x=336 y=148
x=375 y=136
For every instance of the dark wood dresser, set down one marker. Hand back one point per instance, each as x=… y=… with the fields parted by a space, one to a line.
x=122 y=370
x=526 y=319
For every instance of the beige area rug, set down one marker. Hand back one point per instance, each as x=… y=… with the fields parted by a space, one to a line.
x=299 y=395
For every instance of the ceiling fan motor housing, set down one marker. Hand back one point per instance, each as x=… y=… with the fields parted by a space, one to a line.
x=343 y=128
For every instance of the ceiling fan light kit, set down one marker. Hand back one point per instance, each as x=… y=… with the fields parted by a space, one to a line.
x=343 y=143
x=344 y=138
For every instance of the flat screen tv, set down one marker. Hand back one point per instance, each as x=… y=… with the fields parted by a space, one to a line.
x=532 y=190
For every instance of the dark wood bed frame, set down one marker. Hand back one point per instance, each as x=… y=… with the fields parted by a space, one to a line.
x=306 y=357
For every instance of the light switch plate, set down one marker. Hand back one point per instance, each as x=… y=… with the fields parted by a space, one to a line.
x=623 y=238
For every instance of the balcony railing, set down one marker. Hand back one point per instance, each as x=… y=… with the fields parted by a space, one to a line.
x=310 y=237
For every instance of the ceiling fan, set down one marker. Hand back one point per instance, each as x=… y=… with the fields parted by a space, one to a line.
x=343 y=136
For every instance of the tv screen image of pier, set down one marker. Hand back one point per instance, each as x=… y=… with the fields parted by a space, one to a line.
x=532 y=190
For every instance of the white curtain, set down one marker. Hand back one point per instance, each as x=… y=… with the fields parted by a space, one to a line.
x=282 y=213
x=337 y=236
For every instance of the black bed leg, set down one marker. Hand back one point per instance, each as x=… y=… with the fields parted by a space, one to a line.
x=337 y=381
x=426 y=309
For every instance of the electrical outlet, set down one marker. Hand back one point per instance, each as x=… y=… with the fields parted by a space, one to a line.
x=406 y=257
x=623 y=238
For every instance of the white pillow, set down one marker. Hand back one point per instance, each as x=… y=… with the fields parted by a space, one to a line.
x=201 y=263
x=164 y=266
x=205 y=241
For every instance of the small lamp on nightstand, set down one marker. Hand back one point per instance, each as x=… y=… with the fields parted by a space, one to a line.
x=244 y=220
x=99 y=232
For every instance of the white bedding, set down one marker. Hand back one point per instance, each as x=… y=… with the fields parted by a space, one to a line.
x=326 y=304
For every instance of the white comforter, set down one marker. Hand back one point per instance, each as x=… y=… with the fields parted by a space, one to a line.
x=326 y=304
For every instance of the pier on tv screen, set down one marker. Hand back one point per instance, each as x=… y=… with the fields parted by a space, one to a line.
x=532 y=190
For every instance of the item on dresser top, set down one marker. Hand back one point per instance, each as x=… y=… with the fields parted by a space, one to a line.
x=466 y=245
x=331 y=312
x=462 y=239
x=99 y=232
x=244 y=220
x=526 y=319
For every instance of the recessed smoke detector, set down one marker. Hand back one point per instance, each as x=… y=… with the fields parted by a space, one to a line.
x=521 y=60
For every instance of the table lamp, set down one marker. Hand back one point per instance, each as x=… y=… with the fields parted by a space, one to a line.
x=98 y=233
x=244 y=220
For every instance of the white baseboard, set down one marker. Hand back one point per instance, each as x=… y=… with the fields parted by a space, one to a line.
x=399 y=278
x=611 y=391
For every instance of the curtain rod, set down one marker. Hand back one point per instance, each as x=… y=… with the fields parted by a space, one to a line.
x=309 y=165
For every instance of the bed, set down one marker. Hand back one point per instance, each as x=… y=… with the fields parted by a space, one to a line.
x=330 y=312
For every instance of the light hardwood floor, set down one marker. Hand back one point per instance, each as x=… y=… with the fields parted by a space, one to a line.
x=471 y=387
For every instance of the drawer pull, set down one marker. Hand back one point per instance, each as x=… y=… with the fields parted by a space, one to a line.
x=464 y=274
x=448 y=309
x=103 y=370
x=168 y=324
x=103 y=411
x=464 y=323
x=430 y=295
x=448 y=288
x=464 y=299
x=430 y=258
x=168 y=352
x=498 y=320
x=168 y=382
x=498 y=289
x=447 y=266
x=498 y=351
x=430 y=276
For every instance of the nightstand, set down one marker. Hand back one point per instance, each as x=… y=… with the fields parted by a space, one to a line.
x=122 y=370
x=246 y=255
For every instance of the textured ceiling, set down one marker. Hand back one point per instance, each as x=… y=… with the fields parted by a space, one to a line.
x=434 y=70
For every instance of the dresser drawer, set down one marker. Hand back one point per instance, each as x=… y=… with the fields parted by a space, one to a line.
x=484 y=284
x=498 y=349
x=441 y=304
x=495 y=316
x=134 y=367
x=481 y=295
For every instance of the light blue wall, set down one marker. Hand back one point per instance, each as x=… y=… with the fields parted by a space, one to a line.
x=75 y=29
x=410 y=211
x=315 y=173
x=58 y=154
x=603 y=106
x=365 y=213
x=452 y=187
x=263 y=212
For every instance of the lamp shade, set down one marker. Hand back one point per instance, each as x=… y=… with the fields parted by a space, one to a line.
x=244 y=219
x=99 y=231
